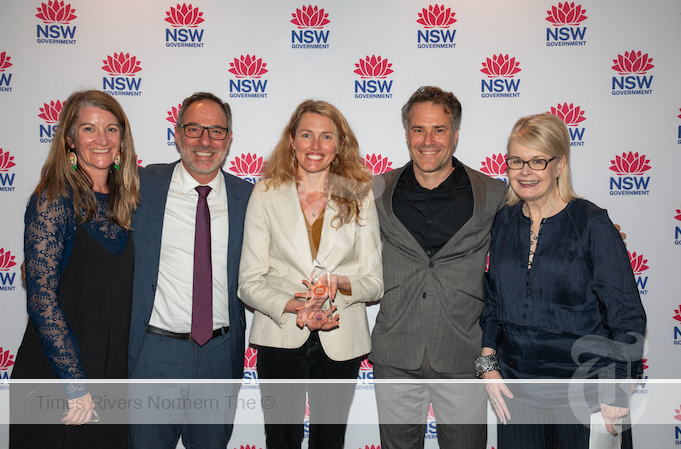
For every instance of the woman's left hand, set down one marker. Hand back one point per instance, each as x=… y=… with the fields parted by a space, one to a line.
x=496 y=391
x=80 y=411
x=612 y=414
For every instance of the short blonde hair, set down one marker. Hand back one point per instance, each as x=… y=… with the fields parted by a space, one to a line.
x=548 y=134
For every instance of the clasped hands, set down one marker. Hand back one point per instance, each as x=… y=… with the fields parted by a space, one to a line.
x=307 y=306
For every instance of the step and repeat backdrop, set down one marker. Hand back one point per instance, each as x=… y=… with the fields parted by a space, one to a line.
x=610 y=70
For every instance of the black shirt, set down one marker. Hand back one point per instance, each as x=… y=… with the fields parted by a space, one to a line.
x=434 y=216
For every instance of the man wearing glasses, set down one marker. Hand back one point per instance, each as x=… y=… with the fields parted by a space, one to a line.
x=187 y=321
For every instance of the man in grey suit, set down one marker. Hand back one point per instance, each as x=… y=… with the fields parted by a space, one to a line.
x=435 y=217
x=183 y=278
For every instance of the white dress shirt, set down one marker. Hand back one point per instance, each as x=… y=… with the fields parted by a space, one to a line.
x=173 y=300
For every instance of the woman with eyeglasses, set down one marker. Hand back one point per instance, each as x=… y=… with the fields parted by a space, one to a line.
x=561 y=301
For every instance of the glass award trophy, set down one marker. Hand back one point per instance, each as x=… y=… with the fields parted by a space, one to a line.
x=317 y=295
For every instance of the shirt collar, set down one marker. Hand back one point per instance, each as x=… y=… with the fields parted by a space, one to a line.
x=448 y=184
x=188 y=184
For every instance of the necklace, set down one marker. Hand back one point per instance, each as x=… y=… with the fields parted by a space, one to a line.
x=534 y=238
x=311 y=204
x=543 y=220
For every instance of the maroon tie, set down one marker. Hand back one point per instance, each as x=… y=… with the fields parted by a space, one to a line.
x=202 y=293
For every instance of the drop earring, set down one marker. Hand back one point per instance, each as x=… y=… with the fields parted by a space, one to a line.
x=117 y=162
x=73 y=160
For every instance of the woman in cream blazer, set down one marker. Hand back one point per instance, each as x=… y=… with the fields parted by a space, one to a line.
x=314 y=182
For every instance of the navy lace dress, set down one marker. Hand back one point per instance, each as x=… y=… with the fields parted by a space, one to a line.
x=79 y=284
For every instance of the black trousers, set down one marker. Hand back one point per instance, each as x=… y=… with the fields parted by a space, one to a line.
x=329 y=403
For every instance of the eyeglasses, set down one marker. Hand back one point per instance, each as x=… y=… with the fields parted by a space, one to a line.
x=534 y=164
x=196 y=131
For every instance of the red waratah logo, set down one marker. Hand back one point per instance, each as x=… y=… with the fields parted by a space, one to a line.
x=373 y=67
x=121 y=64
x=248 y=66
x=677 y=317
x=495 y=165
x=248 y=446
x=5 y=359
x=566 y=14
x=6 y=161
x=51 y=112
x=366 y=365
x=632 y=63
x=251 y=359
x=436 y=16
x=431 y=413
x=310 y=17
x=571 y=115
x=4 y=61
x=500 y=65
x=139 y=161
x=56 y=12
x=644 y=361
x=248 y=165
x=677 y=216
x=630 y=164
x=678 y=414
x=638 y=263
x=378 y=446
x=377 y=164
x=172 y=114
x=184 y=16
x=6 y=260
x=3 y=54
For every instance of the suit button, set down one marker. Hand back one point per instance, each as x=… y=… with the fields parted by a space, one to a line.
x=431 y=265
x=424 y=294
x=524 y=315
x=527 y=305
x=429 y=252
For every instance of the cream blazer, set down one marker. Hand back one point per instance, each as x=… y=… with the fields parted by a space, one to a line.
x=276 y=257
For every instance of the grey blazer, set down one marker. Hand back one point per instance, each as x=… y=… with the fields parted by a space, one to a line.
x=434 y=304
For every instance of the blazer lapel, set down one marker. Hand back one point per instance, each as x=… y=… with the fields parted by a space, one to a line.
x=479 y=201
x=329 y=238
x=292 y=221
x=393 y=223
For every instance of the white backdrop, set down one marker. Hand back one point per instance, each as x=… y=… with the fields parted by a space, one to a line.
x=610 y=69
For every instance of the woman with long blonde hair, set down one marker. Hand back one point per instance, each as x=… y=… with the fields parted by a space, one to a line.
x=313 y=212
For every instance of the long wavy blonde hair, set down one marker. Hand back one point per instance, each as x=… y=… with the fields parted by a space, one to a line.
x=57 y=175
x=349 y=181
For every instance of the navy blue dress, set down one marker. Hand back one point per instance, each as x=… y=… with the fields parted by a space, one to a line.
x=580 y=284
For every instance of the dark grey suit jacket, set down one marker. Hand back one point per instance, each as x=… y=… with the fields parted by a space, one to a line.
x=147 y=223
x=434 y=304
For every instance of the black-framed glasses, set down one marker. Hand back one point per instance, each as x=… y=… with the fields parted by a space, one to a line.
x=196 y=131
x=516 y=163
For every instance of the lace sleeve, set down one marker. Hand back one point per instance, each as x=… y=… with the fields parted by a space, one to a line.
x=48 y=227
